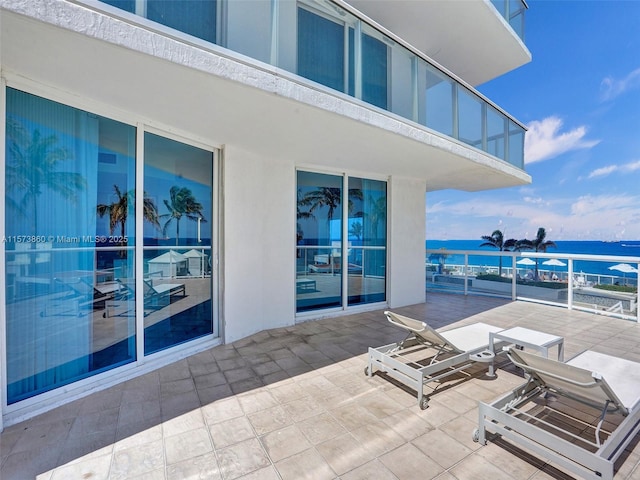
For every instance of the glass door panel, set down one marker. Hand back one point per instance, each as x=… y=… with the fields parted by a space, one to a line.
x=70 y=179
x=367 y=241
x=319 y=241
x=177 y=281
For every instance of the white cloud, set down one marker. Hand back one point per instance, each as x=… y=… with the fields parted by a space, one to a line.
x=544 y=140
x=609 y=169
x=611 y=88
x=592 y=217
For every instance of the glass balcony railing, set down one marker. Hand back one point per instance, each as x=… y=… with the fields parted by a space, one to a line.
x=513 y=12
x=594 y=283
x=323 y=42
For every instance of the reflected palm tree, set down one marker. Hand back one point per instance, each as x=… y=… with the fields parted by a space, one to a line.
x=181 y=203
x=33 y=165
x=356 y=230
x=330 y=197
x=377 y=213
x=119 y=211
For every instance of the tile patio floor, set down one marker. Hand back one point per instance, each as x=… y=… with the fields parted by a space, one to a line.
x=294 y=403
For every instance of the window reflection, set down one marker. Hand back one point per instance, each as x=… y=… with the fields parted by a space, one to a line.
x=62 y=256
x=319 y=239
x=177 y=285
x=367 y=232
x=325 y=258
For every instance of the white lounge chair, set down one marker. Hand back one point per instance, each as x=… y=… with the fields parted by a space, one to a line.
x=426 y=355
x=563 y=434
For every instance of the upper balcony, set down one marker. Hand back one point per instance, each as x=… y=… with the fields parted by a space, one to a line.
x=477 y=40
x=334 y=45
x=285 y=78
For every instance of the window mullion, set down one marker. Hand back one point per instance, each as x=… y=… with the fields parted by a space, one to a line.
x=344 y=262
x=139 y=245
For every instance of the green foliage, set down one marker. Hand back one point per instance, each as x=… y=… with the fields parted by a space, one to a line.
x=498 y=278
x=617 y=288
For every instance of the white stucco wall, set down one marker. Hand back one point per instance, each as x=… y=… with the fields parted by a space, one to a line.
x=258 y=243
x=406 y=241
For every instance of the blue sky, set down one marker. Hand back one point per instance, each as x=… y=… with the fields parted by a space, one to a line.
x=580 y=99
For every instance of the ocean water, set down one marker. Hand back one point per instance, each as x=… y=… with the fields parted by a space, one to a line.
x=623 y=248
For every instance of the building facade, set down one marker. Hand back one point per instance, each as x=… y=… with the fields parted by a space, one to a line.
x=180 y=174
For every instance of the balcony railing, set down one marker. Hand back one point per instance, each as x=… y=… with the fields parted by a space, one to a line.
x=331 y=44
x=513 y=12
x=575 y=281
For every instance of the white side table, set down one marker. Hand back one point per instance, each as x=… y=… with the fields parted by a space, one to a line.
x=528 y=338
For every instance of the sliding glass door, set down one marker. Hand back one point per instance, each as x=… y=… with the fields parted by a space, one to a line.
x=70 y=233
x=319 y=236
x=177 y=287
x=80 y=283
x=367 y=241
x=341 y=246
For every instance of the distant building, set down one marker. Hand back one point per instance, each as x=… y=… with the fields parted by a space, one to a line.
x=291 y=143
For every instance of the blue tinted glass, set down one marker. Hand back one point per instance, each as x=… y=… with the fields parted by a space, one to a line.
x=195 y=17
x=321 y=50
x=70 y=228
x=501 y=6
x=366 y=253
x=374 y=71
x=496 y=128
x=516 y=145
x=128 y=5
x=469 y=118
x=319 y=238
x=439 y=102
x=177 y=286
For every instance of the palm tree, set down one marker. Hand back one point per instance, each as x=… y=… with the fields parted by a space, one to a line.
x=33 y=165
x=539 y=244
x=119 y=211
x=496 y=240
x=441 y=258
x=182 y=202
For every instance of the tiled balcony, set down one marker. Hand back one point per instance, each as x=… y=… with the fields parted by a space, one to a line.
x=294 y=403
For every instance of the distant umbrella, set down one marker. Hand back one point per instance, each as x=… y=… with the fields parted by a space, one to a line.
x=554 y=262
x=624 y=268
x=526 y=261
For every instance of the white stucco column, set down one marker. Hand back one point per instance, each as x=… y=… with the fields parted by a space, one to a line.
x=407 y=223
x=258 y=231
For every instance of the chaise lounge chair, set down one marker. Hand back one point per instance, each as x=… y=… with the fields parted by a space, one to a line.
x=426 y=355
x=549 y=414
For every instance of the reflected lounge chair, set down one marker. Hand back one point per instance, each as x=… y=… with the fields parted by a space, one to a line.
x=426 y=355
x=581 y=414
x=155 y=296
x=81 y=294
x=158 y=296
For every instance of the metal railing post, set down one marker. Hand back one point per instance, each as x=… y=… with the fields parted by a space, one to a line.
x=570 y=284
x=514 y=278
x=466 y=273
